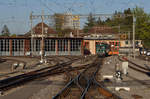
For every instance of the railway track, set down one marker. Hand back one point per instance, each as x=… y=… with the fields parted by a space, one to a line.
x=15 y=81
x=55 y=60
x=4 y=59
x=136 y=67
x=79 y=86
x=13 y=70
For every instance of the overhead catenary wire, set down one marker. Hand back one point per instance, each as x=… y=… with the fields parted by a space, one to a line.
x=45 y=5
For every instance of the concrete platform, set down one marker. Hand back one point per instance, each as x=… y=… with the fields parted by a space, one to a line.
x=138 y=83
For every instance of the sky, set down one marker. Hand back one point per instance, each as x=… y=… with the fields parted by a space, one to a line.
x=15 y=13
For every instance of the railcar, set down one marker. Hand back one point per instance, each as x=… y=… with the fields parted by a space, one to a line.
x=102 y=49
x=114 y=48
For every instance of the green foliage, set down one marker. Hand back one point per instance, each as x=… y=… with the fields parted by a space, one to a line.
x=13 y=35
x=99 y=22
x=126 y=23
x=91 y=21
x=142 y=26
x=141 y=22
x=5 y=31
x=146 y=43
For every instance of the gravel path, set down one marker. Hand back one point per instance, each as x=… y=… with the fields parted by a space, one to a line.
x=57 y=83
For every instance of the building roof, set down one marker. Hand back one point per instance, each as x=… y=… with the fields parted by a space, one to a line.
x=102 y=30
x=37 y=30
x=26 y=37
x=96 y=38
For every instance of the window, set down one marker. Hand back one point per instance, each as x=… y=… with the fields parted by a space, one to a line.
x=63 y=45
x=37 y=44
x=75 y=45
x=4 y=45
x=126 y=42
x=17 y=45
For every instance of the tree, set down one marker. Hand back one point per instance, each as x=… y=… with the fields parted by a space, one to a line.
x=13 y=35
x=141 y=21
x=124 y=22
x=5 y=31
x=128 y=20
x=99 y=22
x=91 y=21
x=142 y=26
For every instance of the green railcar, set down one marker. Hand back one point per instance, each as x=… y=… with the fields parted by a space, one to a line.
x=102 y=49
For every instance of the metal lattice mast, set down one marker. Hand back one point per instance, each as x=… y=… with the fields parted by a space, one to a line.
x=42 y=46
x=134 y=20
x=31 y=35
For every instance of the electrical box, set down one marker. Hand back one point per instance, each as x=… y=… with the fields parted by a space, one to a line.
x=125 y=67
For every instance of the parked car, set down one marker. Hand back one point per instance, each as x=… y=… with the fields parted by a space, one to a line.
x=148 y=52
x=143 y=51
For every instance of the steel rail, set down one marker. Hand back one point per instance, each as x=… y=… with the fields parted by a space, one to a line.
x=135 y=64
x=138 y=68
x=71 y=82
x=92 y=80
x=36 y=71
x=101 y=85
x=89 y=82
x=12 y=81
x=76 y=81
x=147 y=66
x=31 y=77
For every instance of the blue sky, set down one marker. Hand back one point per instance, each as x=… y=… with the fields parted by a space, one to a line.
x=15 y=13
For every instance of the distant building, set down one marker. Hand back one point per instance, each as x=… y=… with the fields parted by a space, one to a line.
x=71 y=22
x=37 y=31
x=122 y=46
x=102 y=32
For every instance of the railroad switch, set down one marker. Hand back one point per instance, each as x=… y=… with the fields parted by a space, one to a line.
x=125 y=68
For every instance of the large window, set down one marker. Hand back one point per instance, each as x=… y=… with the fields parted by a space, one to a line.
x=4 y=45
x=63 y=45
x=37 y=45
x=75 y=45
x=49 y=45
x=17 y=45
